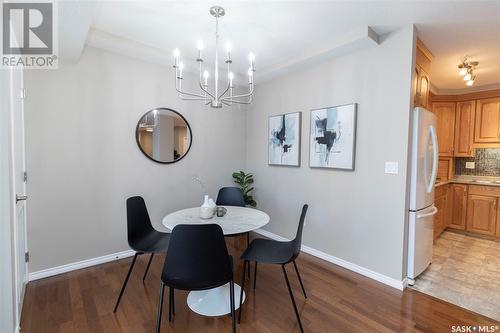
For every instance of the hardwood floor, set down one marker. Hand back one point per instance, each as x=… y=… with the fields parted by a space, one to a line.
x=339 y=301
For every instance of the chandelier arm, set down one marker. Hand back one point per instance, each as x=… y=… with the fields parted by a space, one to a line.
x=186 y=93
x=202 y=87
x=206 y=90
x=221 y=96
x=242 y=95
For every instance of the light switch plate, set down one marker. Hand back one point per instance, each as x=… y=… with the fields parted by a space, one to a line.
x=391 y=168
x=470 y=165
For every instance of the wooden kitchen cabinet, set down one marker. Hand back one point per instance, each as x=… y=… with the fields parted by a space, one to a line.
x=459 y=206
x=498 y=218
x=445 y=114
x=481 y=214
x=422 y=83
x=464 y=129
x=487 y=127
x=441 y=203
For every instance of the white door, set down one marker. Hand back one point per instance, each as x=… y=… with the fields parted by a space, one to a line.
x=425 y=157
x=18 y=184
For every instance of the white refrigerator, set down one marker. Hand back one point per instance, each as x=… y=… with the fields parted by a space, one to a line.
x=424 y=164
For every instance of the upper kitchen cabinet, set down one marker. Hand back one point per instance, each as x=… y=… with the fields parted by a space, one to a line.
x=445 y=114
x=487 y=129
x=421 y=81
x=464 y=129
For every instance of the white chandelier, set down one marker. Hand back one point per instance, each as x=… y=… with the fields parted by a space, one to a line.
x=212 y=96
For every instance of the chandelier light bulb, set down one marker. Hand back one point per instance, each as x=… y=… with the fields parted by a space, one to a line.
x=467 y=76
x=462 y=71
x=177 y=53
x=230 y=75
x=251 y=57
x=199 y=45
x=470 y=82
x=228 y=47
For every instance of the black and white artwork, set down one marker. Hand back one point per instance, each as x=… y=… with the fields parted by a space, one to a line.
x=284 y=139
x=333 y=137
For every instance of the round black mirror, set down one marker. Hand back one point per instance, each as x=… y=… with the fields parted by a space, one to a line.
x=163 y=135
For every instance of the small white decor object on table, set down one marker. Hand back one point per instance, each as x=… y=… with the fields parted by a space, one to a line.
x=237 y=220
x=207 y=210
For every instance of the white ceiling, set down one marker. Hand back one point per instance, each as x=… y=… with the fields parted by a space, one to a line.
x=279 y=32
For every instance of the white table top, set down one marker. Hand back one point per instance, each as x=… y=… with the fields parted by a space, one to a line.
x=237 y=220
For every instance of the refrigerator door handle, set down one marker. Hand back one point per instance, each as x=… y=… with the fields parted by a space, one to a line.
x=435 y=159
x=433 y=212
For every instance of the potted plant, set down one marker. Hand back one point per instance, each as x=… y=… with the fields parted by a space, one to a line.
x=244 y=180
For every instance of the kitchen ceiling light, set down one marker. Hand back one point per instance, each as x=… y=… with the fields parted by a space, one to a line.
x=466 y=69
x=214 y=97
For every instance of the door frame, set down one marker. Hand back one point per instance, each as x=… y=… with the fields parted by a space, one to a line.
x=11 y=255
x=17 y=94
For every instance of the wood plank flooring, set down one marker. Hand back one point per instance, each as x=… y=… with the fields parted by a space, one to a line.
x=339 y=301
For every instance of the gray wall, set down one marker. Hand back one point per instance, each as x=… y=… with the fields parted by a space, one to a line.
x=83 y=161
x=356 y=216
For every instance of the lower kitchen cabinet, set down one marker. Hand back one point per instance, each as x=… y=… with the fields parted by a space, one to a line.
x=481 y=214
x=442 y=216
x=458 y=206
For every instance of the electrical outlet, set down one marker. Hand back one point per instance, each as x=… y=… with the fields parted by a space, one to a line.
x=470 y=165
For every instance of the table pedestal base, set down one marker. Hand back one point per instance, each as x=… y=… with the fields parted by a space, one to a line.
x=214 y=302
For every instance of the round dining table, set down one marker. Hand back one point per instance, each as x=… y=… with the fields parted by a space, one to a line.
x=237 y=220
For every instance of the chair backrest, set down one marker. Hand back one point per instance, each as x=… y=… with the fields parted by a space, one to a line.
x=230 y=196
x=197 y=258
x=138 y=223
x=297 y=241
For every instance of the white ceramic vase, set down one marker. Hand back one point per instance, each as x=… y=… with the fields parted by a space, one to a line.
x=206 y=211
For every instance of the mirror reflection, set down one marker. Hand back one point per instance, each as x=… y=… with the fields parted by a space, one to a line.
x=163 y=135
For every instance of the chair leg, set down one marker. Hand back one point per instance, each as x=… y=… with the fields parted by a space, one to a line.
x=300 y=279
x=173 y=301
x=147 y=267
x=170 y=303
x=231 y=295
x=292 y=298
x=248 y=244
x=126 y=281
x=242 y=287
x=254 y=275
x=160 y=307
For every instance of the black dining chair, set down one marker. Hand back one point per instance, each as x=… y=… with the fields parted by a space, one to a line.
x=197 y=259
x=232 y=196
x=279 y=253
x=142 y=237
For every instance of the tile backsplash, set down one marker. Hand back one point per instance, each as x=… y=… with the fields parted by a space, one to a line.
x=487 y=163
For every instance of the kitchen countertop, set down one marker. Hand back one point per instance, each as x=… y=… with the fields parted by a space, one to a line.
x=471 y=180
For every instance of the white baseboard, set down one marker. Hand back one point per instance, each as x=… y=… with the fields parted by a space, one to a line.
x=79 y=265
x=341 y=262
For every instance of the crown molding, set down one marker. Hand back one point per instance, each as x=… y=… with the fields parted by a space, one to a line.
x=463 y=91
x=353 y=41
x=347 y=43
